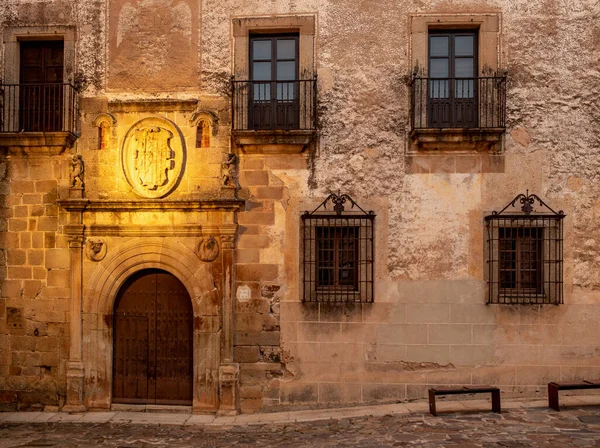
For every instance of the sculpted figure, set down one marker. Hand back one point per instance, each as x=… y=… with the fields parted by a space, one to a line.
x=228 y=171
x=76 y=171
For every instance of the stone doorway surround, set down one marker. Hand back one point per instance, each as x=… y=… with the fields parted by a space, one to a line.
x=96 y=279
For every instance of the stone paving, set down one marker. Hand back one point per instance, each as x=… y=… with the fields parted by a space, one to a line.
x=462 y=424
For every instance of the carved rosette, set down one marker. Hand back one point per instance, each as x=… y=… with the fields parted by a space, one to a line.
x=96 y=249
x=153 y=157
x=208 y=249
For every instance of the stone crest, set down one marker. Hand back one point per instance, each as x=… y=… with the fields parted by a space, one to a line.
x=208 y=249
x=96 y=249
x=153 y=157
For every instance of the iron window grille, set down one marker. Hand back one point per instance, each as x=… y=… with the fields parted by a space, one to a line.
x=525 y=254
x=338 y=252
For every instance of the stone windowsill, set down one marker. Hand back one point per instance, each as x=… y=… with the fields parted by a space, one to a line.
x=457 y=139
x=51 y=143
x=274 y=141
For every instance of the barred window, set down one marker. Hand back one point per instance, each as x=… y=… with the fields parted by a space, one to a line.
x=525 y=254
x=337 y=252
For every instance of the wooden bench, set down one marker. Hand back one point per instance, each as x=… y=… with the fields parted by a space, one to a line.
x=465 y=390
x=554 y=387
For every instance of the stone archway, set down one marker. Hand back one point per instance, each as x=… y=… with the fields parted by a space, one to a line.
x=100 y=292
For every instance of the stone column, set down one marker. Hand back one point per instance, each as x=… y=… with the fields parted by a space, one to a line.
x=228 y=370
x=75 y=370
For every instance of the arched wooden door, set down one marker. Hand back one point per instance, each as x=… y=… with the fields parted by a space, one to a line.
x=152 y=345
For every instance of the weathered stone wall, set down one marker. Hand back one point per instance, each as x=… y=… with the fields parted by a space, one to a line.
x=429 y=324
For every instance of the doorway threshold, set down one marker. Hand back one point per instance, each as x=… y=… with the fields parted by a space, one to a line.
x=123 y=407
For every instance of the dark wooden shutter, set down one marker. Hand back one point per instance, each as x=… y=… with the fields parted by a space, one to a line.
x=41 y=92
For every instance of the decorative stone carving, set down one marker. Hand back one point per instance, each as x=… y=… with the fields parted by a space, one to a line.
x=104 y=122
x=96 y=249
x=75 y=241
x=228 y=170
x=153 y=157
x=76 y=172
x=227 y=241
x=208 y=249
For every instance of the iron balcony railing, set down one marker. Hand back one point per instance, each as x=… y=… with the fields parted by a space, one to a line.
x=38 y=108
x=274 y=105
x=458 y=102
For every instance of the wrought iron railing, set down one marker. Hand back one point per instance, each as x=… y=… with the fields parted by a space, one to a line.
x=38 y=107
x=458 y=102
x=274 y=105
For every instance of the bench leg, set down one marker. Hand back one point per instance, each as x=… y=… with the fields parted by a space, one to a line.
x=553 y=396
x=496 y=402
x=432 y=403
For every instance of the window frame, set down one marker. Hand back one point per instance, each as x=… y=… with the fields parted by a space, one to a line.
x=362 y=222
x=517 y=262
x=548 y=227
x=461 y=111
x=337 y=261
x=274 y=112
x=488 y=136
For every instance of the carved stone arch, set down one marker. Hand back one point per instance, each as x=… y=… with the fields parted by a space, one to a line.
x=204 y=114
x=104 y=122
x=119 y=265
x=99 y=297
x=205 y=122
x=105 y=119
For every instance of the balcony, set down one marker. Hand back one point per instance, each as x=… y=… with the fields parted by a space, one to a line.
x=38 y=117
x=274 y=117
x=466 y=114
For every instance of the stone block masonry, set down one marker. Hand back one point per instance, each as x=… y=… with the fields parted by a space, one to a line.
x=220 y=207
x=34 y=337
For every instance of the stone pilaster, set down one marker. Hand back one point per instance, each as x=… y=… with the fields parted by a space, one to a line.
x=229 y=376
x=228 y=370
x=75 y=370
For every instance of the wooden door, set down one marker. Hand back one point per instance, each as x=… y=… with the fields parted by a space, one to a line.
x=152 y=349
x=41 y=92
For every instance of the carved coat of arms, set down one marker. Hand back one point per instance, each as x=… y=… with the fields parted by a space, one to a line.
x=153 y=157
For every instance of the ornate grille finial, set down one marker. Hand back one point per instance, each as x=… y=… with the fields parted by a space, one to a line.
x=527 y=200
x=339 y=204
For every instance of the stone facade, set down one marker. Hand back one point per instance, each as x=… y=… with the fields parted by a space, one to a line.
x=222 y=212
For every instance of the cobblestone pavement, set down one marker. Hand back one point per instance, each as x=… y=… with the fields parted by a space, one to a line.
x=575 y=426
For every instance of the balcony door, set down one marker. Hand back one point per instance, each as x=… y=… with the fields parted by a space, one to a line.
x=41 y=89
x=274 y=82
x=452 y=101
